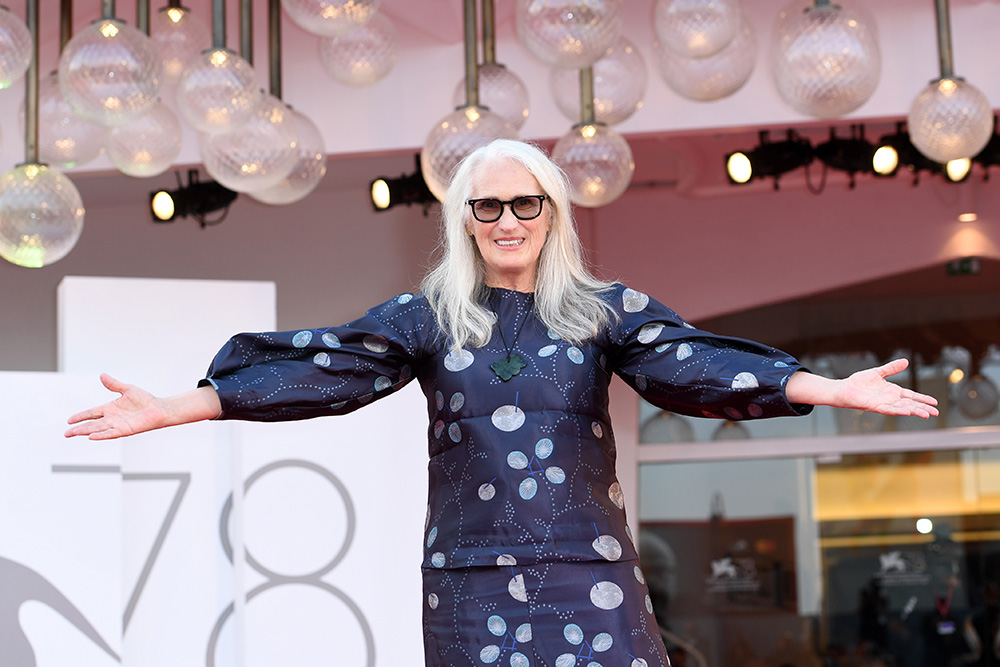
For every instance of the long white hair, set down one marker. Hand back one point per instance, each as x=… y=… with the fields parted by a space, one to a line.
x=567 y=297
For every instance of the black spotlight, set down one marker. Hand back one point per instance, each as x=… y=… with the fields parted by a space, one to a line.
x=852 y=154
x=769 y=159
x=895 y=151
x=196 y=199
x=407 y=189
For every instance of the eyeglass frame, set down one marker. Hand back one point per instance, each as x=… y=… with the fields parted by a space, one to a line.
x=472 y=203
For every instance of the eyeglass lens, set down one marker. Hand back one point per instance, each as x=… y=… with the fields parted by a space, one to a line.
x=523 y=208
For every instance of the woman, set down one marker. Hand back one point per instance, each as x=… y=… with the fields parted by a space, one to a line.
x=528 y=559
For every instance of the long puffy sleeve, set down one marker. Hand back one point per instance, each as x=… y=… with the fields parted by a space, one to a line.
x=287 y=375
x=685 y=370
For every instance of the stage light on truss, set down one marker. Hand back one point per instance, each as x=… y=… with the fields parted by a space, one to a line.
x=769 y=159
x=407 y=189
x=196 y=199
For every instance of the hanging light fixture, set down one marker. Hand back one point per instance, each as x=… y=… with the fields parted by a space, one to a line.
x=619 y=85
x=328 y=18
x=597 y=159
x=148 y=145
x=825 y=60
x=218 y=90
x=15 y=47
x=179 y=36
x=950 y=118
x=65 y=138
x=41 y=212
x=977 y=396
x=109 y=72
x=568 y=33
x=696 y=28
x=310 y=165
x=362 y=56
x=711 y=77
x=770 y=159
x=465 y=129
x=666 y=427
x=259 y=153
x=500 y=90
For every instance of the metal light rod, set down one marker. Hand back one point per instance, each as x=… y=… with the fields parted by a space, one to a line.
x=587 y=116
x=142 y=16
x=107 y=9
x=31 y=88
x=218 y=24
x=65 y=23
x=944 y=39
x=489 y=42
x=246 y=30
x=471 y=67
x=274 y=45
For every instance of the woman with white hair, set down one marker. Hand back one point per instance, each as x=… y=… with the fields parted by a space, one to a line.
x=528 y=559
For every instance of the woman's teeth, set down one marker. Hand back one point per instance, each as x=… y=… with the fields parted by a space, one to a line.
x=507 y=244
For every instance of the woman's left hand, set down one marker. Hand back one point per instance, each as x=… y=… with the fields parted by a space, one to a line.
x=865 y=390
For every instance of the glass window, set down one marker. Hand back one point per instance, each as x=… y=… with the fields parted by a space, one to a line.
x=888 y=559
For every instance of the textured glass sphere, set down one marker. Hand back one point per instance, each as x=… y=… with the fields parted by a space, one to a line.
x=666 y=427
x=950 y=119
x=148 y=146
x=501 y=91
x=713 y=77
x=978 y=397
x=825 y=60
x=255 y=155
x=619 y=85
x=110 y=73
x=309 y=168
x=569 y=33
x=363 y=56
x=65 y=139
x=41 y=215
x=179 y=36
x=15 y=47
x=598 y=162
x=218 y=91
x=458 y=134
x=696 y=28
x=328 y=18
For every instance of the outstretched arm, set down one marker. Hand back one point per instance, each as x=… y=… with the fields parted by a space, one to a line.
x=137 y=411
x=865 y=390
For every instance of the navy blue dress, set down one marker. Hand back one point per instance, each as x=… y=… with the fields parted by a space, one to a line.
x=528 y=560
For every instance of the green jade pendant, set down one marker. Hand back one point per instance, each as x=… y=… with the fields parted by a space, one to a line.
x=509 y=367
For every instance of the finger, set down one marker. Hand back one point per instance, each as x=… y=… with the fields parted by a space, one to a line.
x=87 y=428
x=92 y=413
x=893 y=367
x=113 y=384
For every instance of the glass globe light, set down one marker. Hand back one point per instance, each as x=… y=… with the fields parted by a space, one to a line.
x=110 y=73
x=308 y=170
x=329 y=18
x=15 y=47
x=696 y=28
x=978 y=397
x=179 y=36
x=455 y=136
x=255 y=155
x=218 y=91
x=950 y=119
x=501 y=91
x=666 y=427
x=362 y=56
x=729 y=430
x=41 y=215
x=619 y=85
x=825 y=60
x=148 y=146
x=713 y=77
x=568 y=33
x=65 y=139
x=598 y=162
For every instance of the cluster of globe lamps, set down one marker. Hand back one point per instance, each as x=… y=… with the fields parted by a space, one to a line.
x=105 y=96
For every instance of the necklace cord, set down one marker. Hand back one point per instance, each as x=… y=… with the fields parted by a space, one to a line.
x=517 y=332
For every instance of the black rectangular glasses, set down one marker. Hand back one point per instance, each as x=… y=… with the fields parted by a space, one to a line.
x=489 y=209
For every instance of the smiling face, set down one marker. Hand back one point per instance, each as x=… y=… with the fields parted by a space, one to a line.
x=509 y=247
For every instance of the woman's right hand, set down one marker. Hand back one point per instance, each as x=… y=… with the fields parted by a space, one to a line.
x=137 y=411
